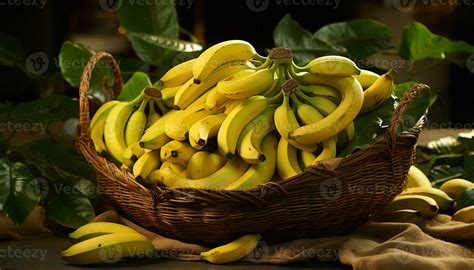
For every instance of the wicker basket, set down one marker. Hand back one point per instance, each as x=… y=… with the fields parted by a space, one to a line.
x=328 y=199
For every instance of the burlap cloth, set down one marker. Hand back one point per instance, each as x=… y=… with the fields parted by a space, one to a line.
x=438 y=243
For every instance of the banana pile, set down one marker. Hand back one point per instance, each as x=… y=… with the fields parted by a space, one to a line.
x=233 y=119
x=421 y=200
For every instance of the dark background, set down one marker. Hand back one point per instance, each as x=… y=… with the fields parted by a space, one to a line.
x=211 y=21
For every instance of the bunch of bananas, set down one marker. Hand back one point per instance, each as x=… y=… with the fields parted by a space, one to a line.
x=421 y=200
x=230 y=119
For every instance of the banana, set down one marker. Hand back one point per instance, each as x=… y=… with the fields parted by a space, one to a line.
x=465 y=215
x=306 y=113
x=323 y=104
x=426 y=205
x=178 y=126
x=328 y=152
x=246 y=83
x=286 y=122
x=169 y=93
x=238 y=118
x=321 y=91
x=155 y=136
x=132 y=153
x=233 y=251
x=204 y=129
x=403 y=216
x=287 y=160
x=332 y=65
x=97 y=125
x=339 y=119
x=94 y=229
x=177 y=152
x=108 y=248
x=345 y=137
x=219 y=54
x=190 y=91
x=378 y=92
x=215 y=101
x=455 y=187
x=232 y=104
x=416 y=178
x=253 y=134
x=152 y=115
x=178 y=75
x=147 y=163
x=306 y=158
x=114 y=132
x=136 y=124
x=366 y=78
x=203 y=164
x=232 y=170
x=442 y=199
x=262 y=172
x=177 y=168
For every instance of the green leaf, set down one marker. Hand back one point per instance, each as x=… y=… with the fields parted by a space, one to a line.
x=45 y=110
x=161 y=51
x=356 y=39
x=158 y=19
x=415 y=111
x=400 y=89
x=369 y=127
x=11 y=52
x=20 y=189
x=83 y=186
x=442 y=173
x=134 y=86
x=73 y=57
x=70 y=209
x=417 y=43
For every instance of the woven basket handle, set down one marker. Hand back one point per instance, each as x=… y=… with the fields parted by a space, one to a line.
x=84 y=117
x=397 y=116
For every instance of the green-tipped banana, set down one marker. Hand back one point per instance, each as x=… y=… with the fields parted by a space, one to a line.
x=219 y=54
x=97 y=125
x=178 y=75
x=203 y=164
x=465 y=215
x=233 y=251
x=366 y=78
x=250 y=141
x=177 y=152
x=147 y=163
x=232 y=170
x=259 y=173
x=426 y=205
x=108 y=248
x=378 y=92
x=136 y=124
x=246 y=83
x=204 y=129
x=332 y=65
x=442 y=199
x=94 y=229
x=287 y=160
x=402 y=216
x=455 y=187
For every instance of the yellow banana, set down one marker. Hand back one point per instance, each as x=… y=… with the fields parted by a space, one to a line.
x=177 y=168
x=306 y=113
x=245 y=83
x=177 y=152
x=215 y=101
x=204 y=129
x=328 y=152
x=203 y=164
x=455 y=187
x=259 y=173
x=152 y=115
x=132 y=153
x=233 y=251
x=232 y=104
x=178 y=126
x=287 y=160
x=366 y=78
x=465 y=215
x=426 y=205
x=97 y=125
x=108 y=248
x=136 y=124
x=147 y=163
x=306 y=158
x=178 y=75
x=323 y=104
x=94 y=229
x=416 y=178
x=155 y=136
x=332 y=65
x=322 y=91
x=219 y=54
x=169 y=93
x=402 y=216
x=442 y=199
x=232 y=170
x=378 y=92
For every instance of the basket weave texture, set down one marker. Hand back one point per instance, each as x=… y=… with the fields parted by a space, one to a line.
x=329 y=199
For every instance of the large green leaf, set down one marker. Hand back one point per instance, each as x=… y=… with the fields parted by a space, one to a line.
x=415 y=111
x=11 y=52
x=134 y=86
x=20 y=188
x=417 y=43
x=70 y=209
x=357 y=39
x=73 y=57
x=159 y=18
x=46 y=110
x=161 y=51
